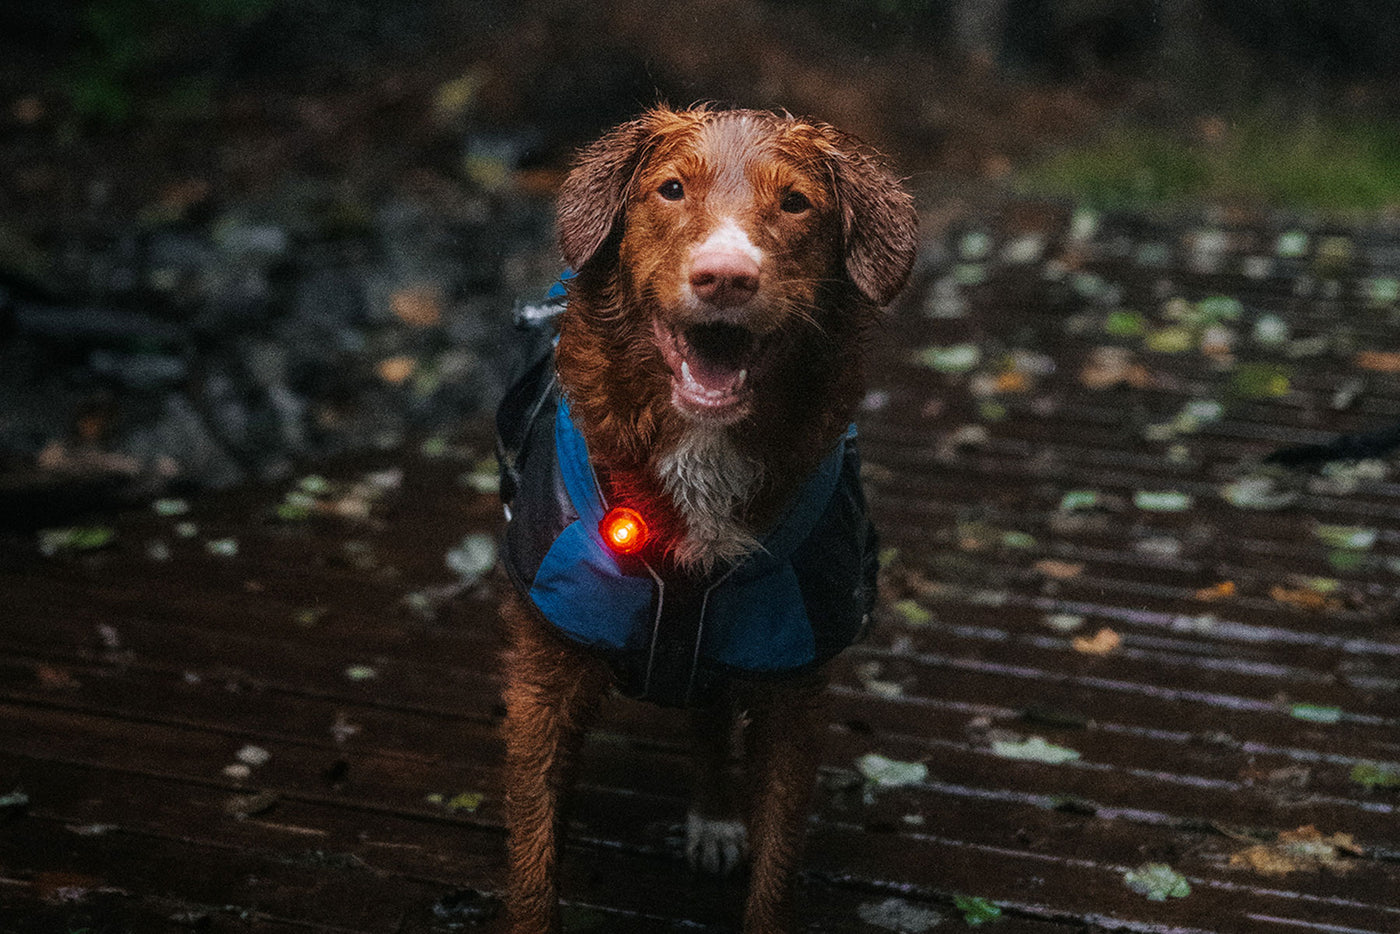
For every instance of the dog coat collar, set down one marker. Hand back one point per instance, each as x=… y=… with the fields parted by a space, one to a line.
x=672 y=637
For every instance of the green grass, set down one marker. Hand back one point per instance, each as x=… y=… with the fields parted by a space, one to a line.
x=1330 y=166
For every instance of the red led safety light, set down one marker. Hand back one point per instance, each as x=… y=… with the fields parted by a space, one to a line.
x=623 y=530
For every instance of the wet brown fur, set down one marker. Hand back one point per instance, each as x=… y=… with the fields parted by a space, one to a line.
x=826 y=273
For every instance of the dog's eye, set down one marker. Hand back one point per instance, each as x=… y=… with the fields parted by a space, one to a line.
x=672 y=190
x=794 y=202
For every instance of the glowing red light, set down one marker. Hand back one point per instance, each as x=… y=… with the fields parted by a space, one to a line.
x=623 y=530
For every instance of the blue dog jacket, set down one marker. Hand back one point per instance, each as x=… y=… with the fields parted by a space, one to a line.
x=669 y=636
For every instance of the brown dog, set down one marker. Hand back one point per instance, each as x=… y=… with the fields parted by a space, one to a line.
x=729 y=265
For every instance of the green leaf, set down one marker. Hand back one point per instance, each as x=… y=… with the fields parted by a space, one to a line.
x=958 y=358
x=1219 y=308
x=1292 y=244
x=1170 y=340
x=1034 y=749
x=1124 y=323
x=975 y=910
x=1316 y=713
x=890 y=773
x=170 y=507
x=1351 y=537
x=1376 y=775
x=1157 y=881
x=1075 y=500
x=1021 y=541
x=75 y=538
x=1162 y=501
x=1260 y=380
x=913 y=613
x=1261 y=491
x=1382 y=290
x=467 y=801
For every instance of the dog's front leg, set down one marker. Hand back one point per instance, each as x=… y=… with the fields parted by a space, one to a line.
x=782 y=750
x=553 y=691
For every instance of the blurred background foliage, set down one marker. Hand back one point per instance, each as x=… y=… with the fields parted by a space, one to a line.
x=1118 y=102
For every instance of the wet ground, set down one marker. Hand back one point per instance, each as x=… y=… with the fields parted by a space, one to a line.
x=1125 y=676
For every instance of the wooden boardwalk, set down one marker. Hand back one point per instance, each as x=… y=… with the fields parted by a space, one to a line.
x=1112 y=673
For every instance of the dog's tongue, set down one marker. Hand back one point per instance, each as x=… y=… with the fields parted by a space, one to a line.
x=715 y=356
x=711 y=375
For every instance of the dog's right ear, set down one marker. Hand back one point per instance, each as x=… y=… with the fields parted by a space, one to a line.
x=593 y=196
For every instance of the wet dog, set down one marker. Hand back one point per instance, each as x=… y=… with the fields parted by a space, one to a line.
x=686 y=522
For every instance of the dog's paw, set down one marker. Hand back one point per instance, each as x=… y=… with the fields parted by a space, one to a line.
x=713 y=845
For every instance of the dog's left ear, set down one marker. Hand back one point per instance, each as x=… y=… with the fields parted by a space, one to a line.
x=878 y=223
x=595 y=192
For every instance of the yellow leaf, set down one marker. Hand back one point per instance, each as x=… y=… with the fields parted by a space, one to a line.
x=1103 y=642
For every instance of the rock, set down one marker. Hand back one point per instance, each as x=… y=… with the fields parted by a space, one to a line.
x=139 y=371
x=94 y=326
x=179 y=443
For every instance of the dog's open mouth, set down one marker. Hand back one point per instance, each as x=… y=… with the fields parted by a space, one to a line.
x=710 y=364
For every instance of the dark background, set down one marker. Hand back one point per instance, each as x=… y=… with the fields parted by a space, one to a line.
x=240 y=235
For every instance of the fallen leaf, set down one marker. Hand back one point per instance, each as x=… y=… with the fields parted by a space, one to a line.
x=1033 y=749
x=253 y=755
x=1351 y=537
x=1291 y=244
x=396 y=370
x=467 y=802
x=222 y=547
x=1301 y=850
x=1170 y=340
x=896 y=914
x=1270 y=331
x=1075 y=500
x=418 y=306
x=170 y=507
x=1379 y=361
x=1063 y=622
x=1104 y=642
x=1111 y=367
x=1316 y=713
x=1376 y=775
x=958 y=358
x=1262 y=491
x=913 y=613
x=1157 y=881
x=976 y=911
x=1221 y=591
x=1381 y=290
x=75 y=538
x=1059 y=570
x=1260 y=380
x=251 y=805
x=1162 y=500
x=1124 y=323
x=1012 y=382
x=472 y=558
x=1219 y=308
x=890 y=773
x=1302 y=597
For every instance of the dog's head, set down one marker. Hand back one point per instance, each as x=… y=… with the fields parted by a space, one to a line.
x=731 y=229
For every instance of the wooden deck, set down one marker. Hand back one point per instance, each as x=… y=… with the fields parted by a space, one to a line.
x=274 y=741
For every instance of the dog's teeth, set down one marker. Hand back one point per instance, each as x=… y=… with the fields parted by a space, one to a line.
x=685 y=374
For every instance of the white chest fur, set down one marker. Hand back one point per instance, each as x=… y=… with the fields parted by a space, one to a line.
x=709 y=479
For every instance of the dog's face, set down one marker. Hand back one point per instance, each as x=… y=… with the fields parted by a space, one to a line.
x=733 y=229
